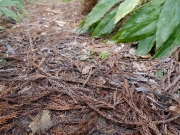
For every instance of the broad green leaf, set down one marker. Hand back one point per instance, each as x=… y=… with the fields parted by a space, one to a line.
x=169 y=18
x=20 y=16
x=21 y=1
x=141 y=25
x=157 y=2
x=142 y=14
x=17 y=3
x=106 y=25
x=80 y=27
x=125 y=8
x=142 y=18
x=170 y=45
x=88 y=29
x=144 y=32
x=20 y=6
x=93 y=27
x=98 y=11
x=10 y=13
x=145 y=45
x=5 y=3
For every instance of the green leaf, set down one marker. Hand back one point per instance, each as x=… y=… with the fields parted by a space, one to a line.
x=10 y=13
x=142 y=33
x=125 y=8
x=98 y=11
x=20 y=6
x=145 y=45
x=170 y=45
x=79 y=28
x=6 y=3
x=20 y=16
x=144 y=19
x=89 y=29
x=93 y=27
x=16 y=3
x=157 y=2
x=168 y=20
x=21 y=1
x=139 y=26
x=106 y=25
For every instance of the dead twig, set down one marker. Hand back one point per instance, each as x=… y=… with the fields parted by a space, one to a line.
x=89 y=77
x=168 y=120
x=108 y=118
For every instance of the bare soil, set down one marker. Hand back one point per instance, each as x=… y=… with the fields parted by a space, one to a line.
x=48 y=70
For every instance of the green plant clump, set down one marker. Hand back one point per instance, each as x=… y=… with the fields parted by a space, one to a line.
x=3 y=60
x=12 y=8
x=152 y=23
x=104 y=55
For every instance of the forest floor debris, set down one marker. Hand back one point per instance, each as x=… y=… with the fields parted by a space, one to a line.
x=49 y=74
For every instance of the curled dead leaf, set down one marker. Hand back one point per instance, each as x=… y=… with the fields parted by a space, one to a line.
x=175 y=108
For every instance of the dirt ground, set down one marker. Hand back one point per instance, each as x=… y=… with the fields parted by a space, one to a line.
x=54 y=81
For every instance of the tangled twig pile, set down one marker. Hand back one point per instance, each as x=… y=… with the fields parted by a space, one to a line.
x=112 y=97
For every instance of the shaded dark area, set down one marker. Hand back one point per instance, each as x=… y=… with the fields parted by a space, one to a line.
x=41 y=68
